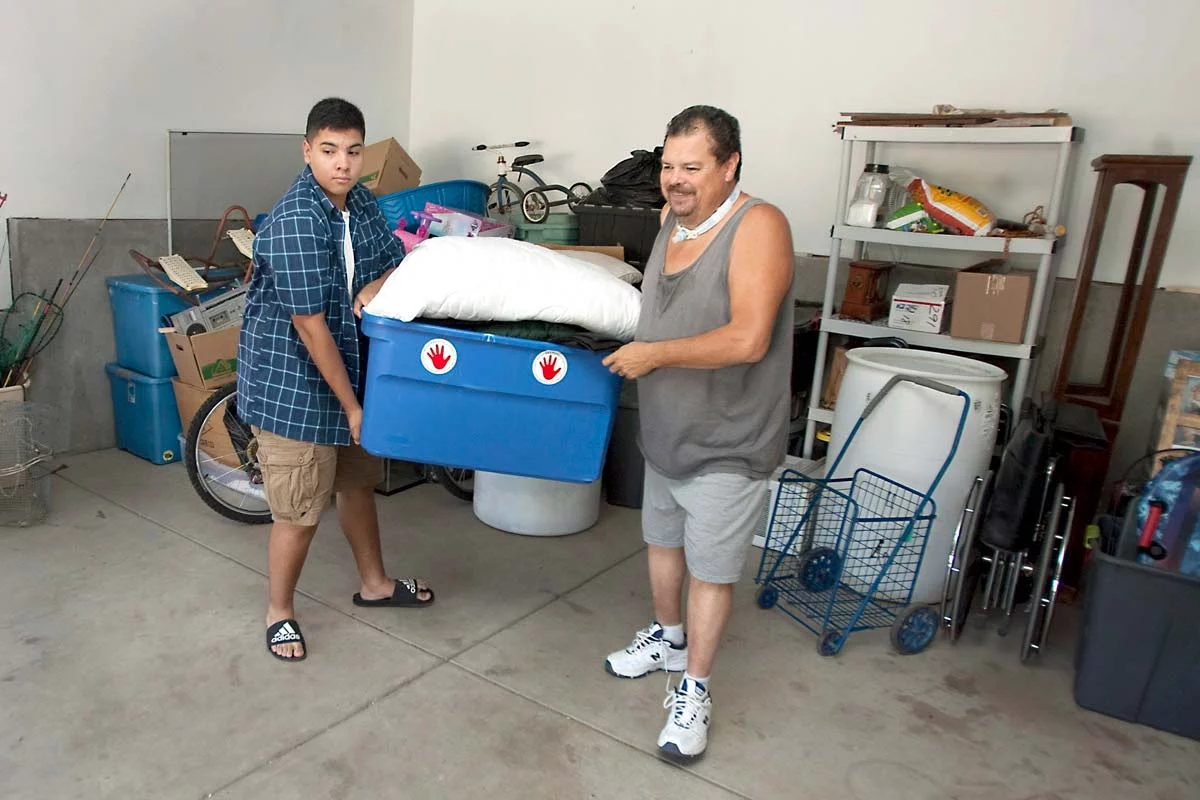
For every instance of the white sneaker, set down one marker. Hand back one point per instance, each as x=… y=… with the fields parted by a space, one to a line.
x=685 y=735
x=648 y=652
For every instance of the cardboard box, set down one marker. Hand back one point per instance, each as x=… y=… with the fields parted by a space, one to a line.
x=214 y=439
x=992 y=303
x=387 y=168
x=205 y=360
x=920 y=307
x=835 y=370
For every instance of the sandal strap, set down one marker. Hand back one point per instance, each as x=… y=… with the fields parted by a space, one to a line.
x=283 y=632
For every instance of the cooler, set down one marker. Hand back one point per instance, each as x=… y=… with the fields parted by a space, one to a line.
x=458 y=398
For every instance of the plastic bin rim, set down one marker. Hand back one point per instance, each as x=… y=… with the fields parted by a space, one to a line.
x=1145 y=569
x=425 y=187
x=439 y=331
x=592 y=206
x=141 y=282
x=137 y=282
x=125 y=373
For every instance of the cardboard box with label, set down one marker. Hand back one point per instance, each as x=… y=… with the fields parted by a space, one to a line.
x=388 y=168
x=920 y=307
x=205 y=360
x=214 y=440
x=991 y=302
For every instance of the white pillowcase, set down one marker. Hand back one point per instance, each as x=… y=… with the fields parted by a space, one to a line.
x=615 y=266
x=504 y=280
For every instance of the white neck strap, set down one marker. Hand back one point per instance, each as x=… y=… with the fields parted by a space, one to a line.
x=681 y=233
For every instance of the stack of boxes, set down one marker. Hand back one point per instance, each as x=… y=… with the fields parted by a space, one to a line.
x=153 y=370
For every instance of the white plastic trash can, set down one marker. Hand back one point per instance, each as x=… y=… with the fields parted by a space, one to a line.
x=535 y=507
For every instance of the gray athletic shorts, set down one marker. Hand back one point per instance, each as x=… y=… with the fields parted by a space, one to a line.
x=712 y=517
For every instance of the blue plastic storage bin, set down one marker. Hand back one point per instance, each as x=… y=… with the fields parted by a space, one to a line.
x=138 y=308
x=463 y=195
x=488 y=410
x=145 y=413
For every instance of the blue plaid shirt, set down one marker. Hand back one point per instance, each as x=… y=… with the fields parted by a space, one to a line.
x=299 y=268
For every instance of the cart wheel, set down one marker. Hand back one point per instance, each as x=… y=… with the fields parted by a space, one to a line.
x=535 y=206
x=818 y=569
x=831 y=643
x=578 y=191
x=767 y=597
x=914 y=629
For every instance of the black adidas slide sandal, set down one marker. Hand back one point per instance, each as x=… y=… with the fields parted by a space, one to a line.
x=284 y=632
x=403 y=596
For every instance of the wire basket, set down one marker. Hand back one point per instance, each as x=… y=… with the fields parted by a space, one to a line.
x=849 y=560
x=30 y=436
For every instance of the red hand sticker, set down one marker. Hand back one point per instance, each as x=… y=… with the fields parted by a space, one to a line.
x=438 y=356
x=549 y=367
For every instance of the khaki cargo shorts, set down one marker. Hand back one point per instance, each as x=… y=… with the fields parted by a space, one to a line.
x=301 y=478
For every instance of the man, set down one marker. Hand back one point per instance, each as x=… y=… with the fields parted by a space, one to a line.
x=320 y=256
x=712 y=358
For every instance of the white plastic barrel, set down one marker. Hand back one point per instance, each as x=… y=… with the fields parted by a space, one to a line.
x=909 y=435
x=535 y=507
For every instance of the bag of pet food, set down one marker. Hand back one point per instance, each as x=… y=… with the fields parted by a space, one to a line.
x=958 y=213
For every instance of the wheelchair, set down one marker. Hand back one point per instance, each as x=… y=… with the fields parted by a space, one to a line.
x=1012 y=537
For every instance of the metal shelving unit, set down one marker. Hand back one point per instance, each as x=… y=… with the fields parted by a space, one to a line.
x=1024 y=353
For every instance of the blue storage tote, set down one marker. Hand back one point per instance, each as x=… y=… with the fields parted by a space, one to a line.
x=146 y=415
x=138 y=308
x=463 y=195
x=458 y=398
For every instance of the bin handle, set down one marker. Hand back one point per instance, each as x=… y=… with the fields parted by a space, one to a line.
x=928 y=383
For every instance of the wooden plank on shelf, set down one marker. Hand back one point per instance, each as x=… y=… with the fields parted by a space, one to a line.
x=962 y=119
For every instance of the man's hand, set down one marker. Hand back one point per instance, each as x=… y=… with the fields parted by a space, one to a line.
x=633 y=360
x=354 y=416
x=367 y=295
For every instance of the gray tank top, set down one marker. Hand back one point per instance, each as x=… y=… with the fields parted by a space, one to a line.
x=697 y=421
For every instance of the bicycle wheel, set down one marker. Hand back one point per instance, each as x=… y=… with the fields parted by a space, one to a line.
x=535 y=206
x=458 y=482
x=578 y=192
x=220 y=456
x=501 y=200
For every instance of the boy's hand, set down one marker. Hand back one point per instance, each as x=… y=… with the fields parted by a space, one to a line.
x=368 y=293
x=354 y=416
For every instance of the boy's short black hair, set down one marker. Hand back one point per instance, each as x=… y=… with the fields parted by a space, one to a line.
x=722 y=128
x=335 y=114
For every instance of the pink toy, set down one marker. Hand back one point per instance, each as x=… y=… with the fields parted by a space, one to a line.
x=411 y=240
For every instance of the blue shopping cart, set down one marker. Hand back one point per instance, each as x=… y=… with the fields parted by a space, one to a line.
x=842 y=554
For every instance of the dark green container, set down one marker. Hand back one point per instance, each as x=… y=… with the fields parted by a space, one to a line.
x=559 y=228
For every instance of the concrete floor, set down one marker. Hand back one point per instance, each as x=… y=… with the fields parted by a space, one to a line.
x=132 y=665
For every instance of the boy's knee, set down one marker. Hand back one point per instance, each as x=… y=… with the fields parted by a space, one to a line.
x=297 y=478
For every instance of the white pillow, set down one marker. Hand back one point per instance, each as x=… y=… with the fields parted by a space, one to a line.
x=504 y=280
x=615 y=266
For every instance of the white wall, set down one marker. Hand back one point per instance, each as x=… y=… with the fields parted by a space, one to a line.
x=91 y=88
x=589 y=81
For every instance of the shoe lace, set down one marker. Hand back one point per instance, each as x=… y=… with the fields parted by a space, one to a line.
x=643 y=639
x=687 y=704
